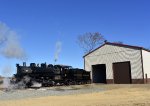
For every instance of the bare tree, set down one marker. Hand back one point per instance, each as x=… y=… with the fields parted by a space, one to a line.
x=90 y=41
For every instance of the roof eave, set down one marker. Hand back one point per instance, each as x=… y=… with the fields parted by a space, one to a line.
x=94 y=50
x=116 y=44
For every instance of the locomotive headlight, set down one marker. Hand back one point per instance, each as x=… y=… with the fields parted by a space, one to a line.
x=27 y=71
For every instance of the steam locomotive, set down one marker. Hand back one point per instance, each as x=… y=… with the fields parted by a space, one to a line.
x=51 y=75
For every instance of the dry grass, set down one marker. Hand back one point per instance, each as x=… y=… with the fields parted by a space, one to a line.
x=115 y=95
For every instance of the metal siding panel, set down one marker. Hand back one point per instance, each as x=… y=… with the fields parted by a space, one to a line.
x=109 y=54
x=146 y=63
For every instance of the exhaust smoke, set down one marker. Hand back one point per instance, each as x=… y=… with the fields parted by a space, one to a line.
x=58 y=50
x=10 y=48
x=6 y=85
x=9 y=43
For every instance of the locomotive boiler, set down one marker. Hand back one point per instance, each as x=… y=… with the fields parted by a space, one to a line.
x=51 y=75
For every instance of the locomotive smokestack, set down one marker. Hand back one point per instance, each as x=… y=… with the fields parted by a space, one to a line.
x=24 y=63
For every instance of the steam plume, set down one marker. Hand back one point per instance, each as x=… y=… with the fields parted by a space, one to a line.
x=6 y=72
x=9 y=48
x=58 y=50
x=9 y=43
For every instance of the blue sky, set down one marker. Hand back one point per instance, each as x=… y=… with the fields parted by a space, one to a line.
x=41 y=23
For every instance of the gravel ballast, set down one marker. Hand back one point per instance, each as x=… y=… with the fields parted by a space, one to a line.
x=49 y=91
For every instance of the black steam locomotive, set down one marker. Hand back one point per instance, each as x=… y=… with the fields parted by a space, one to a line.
x=51 y=75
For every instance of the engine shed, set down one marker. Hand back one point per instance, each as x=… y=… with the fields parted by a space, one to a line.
x=118 y=64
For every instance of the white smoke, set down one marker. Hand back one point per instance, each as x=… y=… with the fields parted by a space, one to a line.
x=58 y=50
x=6 y=80
x=9 y=48
x=36 y=84
x=9 y=43
x=9 y=85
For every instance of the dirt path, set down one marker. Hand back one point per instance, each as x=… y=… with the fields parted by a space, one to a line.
x=117 y=96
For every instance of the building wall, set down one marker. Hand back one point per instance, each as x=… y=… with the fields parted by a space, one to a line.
x=146 y=64
x=109 y=54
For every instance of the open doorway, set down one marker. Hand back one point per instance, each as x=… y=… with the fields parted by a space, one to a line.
x=99 y=73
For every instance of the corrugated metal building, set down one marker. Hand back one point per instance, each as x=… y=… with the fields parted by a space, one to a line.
x=118 y=63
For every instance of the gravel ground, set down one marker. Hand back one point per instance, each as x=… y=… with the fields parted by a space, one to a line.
x=49 y=91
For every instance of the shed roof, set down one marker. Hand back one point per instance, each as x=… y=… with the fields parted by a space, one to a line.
x=118 y=44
